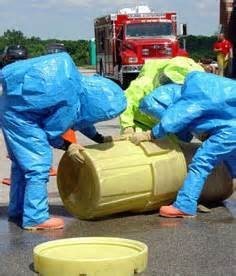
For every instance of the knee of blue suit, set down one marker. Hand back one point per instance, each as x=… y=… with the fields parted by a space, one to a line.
x=230 y=162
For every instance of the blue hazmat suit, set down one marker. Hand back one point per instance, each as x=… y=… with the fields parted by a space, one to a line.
x=1 y=98
x=207 y=105
x=41 y=101
x=98 y=94
x=1 y=111
x=156 y=103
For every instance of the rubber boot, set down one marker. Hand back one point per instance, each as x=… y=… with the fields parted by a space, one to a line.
x=172 y=212
x=50 y=224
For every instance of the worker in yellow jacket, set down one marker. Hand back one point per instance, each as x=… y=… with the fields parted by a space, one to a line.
x=153 y=74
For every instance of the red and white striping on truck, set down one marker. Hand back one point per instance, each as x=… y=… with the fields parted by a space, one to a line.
x=125 y=40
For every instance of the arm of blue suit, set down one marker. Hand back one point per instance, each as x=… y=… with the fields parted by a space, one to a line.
x=92 y=134
x=89 y=132
x=60 y=120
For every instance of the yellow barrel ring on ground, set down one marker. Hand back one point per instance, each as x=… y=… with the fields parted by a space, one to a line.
x=121 y=177
x=90 y=257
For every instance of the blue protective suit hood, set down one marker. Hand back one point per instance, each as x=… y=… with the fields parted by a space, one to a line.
x=207 y=104
x=101 y=99
x=156 y=103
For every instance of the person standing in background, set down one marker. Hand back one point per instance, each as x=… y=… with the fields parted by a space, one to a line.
x=223 y=49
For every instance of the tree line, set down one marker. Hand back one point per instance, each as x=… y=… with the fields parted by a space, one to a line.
x=197 y=46
x=200 y=47
x=36 y=46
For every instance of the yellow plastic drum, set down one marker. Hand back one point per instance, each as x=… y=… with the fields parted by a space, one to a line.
x=90 y=257
x=124 y=177
x=121 y=177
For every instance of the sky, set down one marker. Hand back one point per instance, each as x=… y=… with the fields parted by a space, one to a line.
x=73 y=19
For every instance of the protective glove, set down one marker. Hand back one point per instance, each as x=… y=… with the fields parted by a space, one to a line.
x=202 y=136
x=65 y=145
x=117 y=138
x=99 y=138
x=107 y=139
x=139 y=137
x=75 y=153
x=122 y=137
x=128 y=130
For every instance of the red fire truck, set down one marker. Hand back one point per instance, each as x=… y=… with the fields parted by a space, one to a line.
x=125 y=40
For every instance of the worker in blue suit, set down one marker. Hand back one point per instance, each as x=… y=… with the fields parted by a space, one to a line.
x=207 y=108
x=42 y=98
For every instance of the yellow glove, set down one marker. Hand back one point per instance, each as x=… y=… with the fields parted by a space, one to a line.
x=129 y=130
x=75 y=153
x=139 y=137
x=123 y=137
x=107 y=139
